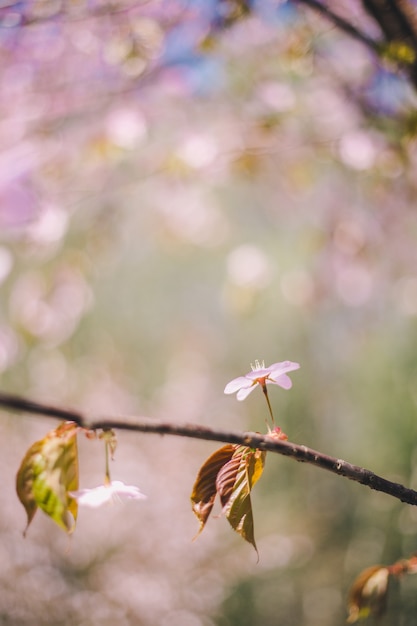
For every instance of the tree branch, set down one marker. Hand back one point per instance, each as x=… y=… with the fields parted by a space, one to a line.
x=396 y=20
x=342 y=24
x=300 y=453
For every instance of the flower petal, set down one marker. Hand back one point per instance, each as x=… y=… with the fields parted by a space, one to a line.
x=283 y=381
x=276 y=369
x=93 y=497
x=260 y=373
x=127 y=491
x=275 y=373
x=237 y=383
x=243 y=393
x=106 y=493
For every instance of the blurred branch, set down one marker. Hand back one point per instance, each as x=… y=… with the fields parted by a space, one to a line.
x=342 y=24
x=398 y=24
x=61 y=14
x=394 y=18
x=298 y=452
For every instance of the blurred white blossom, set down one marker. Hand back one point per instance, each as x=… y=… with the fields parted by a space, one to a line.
x=102 y=494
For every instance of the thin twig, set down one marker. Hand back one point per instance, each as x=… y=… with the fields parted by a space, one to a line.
x=298 y=452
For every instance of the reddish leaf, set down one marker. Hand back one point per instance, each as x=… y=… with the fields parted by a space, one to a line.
x=205 y=489
x=234 y=484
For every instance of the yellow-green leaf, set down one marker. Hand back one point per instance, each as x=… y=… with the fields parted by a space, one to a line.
x=48 y=472
x=234 y=484
x=205 y=489
x=24 y=481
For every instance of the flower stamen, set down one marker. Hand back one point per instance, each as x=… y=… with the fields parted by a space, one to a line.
x=259 y=365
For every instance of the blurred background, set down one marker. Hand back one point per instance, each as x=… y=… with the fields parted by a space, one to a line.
x=186 y=187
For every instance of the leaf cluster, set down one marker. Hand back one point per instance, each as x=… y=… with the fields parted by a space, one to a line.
x=230 y=472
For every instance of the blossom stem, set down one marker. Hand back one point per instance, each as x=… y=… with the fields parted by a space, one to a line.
x=107 y=478
x=264 y=389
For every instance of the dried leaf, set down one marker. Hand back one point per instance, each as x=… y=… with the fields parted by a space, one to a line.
x=205 y=489
x=234 y=484
x=47 y=473
x=368 y=595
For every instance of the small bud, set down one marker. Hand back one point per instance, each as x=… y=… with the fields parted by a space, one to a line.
x=276 y=433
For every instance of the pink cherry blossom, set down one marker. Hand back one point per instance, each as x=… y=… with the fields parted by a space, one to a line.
x=275 y=374
x=106 y=493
